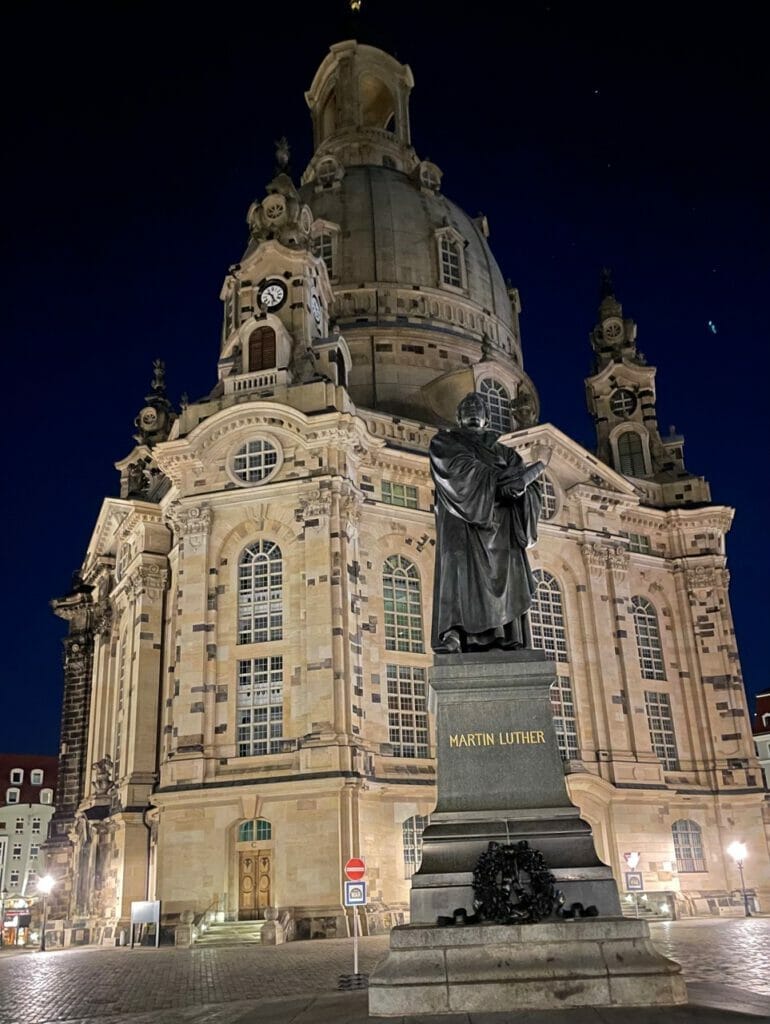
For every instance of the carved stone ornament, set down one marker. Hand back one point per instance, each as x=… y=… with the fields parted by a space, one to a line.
x=618 y=559
x=706 y=577
x=103 y=780
x=149 y=580
x=316 y=504
x=103 y=618
x=602 y=557
x=595 y=557
x=350 y=511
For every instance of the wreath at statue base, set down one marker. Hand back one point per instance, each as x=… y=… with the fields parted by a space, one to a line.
x=512 y=885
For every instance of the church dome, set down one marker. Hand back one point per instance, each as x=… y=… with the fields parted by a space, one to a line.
x=389 y=229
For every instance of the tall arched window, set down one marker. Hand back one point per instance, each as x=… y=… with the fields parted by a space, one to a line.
x=260 y=593
x=262 y=349
x=648 y=639
x=403 y=605
x=498 y=403
x=546 y=617
x=631 y=454
x=688 y=845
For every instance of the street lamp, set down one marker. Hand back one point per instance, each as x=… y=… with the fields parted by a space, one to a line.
x=44 y=885
x=3 y=897
x=738 y=852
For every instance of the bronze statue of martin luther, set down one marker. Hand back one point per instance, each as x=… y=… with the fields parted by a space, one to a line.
x=487 y=507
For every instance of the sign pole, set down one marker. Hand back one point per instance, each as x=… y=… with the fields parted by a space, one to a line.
x=355 y=940
x=355 y=896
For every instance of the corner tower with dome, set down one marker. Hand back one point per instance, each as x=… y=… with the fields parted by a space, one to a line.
x=246 y=703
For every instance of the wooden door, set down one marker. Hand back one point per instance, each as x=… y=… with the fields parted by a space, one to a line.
x=254 y=883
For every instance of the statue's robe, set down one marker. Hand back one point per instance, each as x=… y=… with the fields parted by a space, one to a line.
x=483 y=585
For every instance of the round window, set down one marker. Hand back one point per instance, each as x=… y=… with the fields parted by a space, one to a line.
x=256 y=461
x=623 y=402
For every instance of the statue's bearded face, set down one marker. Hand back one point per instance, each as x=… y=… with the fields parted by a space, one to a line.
x=472 y=413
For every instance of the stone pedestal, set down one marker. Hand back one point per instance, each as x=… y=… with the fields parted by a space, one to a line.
x=500 y=776
x=487 y=968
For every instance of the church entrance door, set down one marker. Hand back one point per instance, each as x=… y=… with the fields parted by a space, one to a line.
x=254 y=883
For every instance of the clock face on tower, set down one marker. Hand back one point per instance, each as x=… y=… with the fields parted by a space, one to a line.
x=315 y=308
x=272 y=295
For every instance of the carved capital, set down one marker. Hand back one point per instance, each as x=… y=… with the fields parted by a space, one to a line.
x=595 y=558
x=149 y=581
x=706 y=577
x=601 y=558
x=617 y=559
x=194 y=524
x=314 y=505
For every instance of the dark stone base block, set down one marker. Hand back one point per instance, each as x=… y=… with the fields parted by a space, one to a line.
x=488 y=968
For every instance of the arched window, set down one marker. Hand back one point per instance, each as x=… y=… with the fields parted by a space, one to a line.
x=262 y=349
x=648 y=639
x=402 y=599
x=630 y=454
x=342 y=370
x=260 y=593
x=499 y=404
x=688 y=845
x=377 y=106
x=411 y=832
x=546 y=617
x=257 y=830
x=451 y=261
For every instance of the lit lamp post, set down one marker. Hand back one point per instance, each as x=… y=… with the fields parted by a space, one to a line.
x=44 y=886
x=738 y=852
x=3 y=897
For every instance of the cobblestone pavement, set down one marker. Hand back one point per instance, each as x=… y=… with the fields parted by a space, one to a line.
x=733 y=952
x=225 y=985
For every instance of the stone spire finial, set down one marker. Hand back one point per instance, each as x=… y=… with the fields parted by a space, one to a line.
x=158 y=377
x=155 y=419
x=282 y=155
x=606 y=286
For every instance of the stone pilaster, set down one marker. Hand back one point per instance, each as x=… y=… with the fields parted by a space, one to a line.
x=78 y=610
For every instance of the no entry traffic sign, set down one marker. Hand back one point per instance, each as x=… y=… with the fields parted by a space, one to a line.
x=355 y=869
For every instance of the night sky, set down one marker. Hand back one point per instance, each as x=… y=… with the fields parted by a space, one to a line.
x=629 y=135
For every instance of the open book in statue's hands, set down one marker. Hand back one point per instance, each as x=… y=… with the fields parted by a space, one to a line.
x=514 y=481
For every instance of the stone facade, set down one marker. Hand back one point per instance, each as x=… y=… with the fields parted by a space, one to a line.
x=246 y=707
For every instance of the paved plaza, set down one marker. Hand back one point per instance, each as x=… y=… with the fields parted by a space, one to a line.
x=726 y=965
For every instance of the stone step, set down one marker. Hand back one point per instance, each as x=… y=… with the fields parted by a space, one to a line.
x=231 y=933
